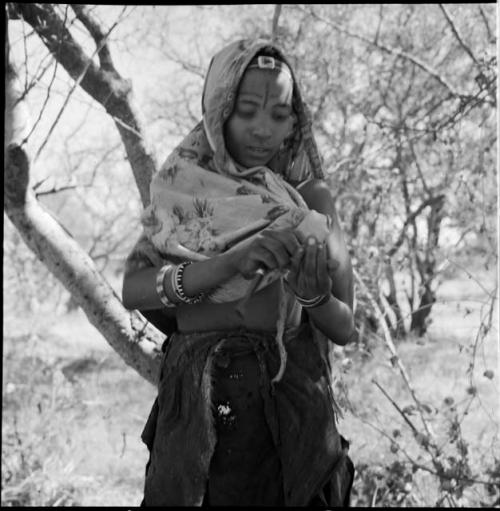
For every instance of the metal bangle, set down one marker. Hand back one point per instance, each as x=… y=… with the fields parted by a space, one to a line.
x=160 y=289
x=316 y=301
x=178 y=288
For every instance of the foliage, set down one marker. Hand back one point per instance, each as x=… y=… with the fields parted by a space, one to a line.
x=67 y=439
x=33 y=472
x=404 y=109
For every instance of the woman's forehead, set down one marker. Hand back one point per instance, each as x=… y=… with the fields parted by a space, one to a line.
x=275 y=84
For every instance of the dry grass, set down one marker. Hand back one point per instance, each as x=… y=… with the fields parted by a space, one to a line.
x=73 y=412
x=72 y=418
x=437 y=365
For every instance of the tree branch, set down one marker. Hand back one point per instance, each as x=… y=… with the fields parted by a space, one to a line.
x=399 y=53
x=457 y=35
x=491 y=36
x=429 y=202
x=133 y=338
x=275 y=24
x=395 y=360
x=104 y=85
x=129 y=334
x=84 y=14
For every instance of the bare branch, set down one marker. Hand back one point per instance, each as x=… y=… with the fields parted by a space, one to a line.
x=105 y=86
x=491 y=36
x=419 y=169
x=450 y=21
x=84 y=14
x=410 y=218
x=380 y=20
x=395 y=360
x=403 y=414
x=55 y=190
x=399 y=53
x=76 y=83
x=274 y=28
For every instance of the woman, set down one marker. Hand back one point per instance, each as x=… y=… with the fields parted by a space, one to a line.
x=243 y=264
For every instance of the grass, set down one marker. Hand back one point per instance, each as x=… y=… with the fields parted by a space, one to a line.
x=437 y=365
x=73 y=412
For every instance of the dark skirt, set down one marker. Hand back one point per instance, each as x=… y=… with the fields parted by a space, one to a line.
x=245 y=467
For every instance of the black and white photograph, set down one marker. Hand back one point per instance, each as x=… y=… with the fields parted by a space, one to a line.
x=250 y=255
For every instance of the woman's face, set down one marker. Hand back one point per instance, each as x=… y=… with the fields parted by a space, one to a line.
x=262 y=117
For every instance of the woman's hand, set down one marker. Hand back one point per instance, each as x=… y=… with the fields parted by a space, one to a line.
x=269 y=250
x=311 y=270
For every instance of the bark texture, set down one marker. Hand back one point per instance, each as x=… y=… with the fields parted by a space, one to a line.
x=136 y=341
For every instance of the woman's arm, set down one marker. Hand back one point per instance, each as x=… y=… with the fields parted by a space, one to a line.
x=139 y=287
x=269 y=252
x=318 y=275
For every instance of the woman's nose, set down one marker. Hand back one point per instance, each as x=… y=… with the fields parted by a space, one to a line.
x=261 y=129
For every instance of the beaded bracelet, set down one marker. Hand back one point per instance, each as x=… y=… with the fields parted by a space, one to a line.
x=316 y=301
x=160 y=289
x=178 y=288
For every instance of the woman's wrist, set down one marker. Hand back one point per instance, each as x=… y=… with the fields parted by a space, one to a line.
x=315 y=301
x=335 y=319
x=163 y=278
x=228 y=261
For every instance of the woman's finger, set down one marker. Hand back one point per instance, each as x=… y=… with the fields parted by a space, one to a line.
x=332 y=265
x=321 y=267
x=286 y=237
x=310 y=263
x=277 y=249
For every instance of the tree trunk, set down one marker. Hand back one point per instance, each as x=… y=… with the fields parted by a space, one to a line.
x=133 y=338
x=427 y=268
x=128 y=334
x=398 y=330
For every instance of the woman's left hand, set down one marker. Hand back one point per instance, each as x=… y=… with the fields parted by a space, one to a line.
x=311 y=270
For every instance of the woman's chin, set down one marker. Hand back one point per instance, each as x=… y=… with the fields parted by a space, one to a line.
x=249 y=162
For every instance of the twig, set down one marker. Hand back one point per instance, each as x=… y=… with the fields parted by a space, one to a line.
x=485 y=21
x=49 y=89
x=420 y=465
x=55 y=190
x=374 y=498
x=399 y=53
x=274 y=28
x=407 y=420
x=457 y=35
x=428 y=202
x=390 y=344
x=74 y=87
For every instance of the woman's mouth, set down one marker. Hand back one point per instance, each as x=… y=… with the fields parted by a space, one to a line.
x=257 y=150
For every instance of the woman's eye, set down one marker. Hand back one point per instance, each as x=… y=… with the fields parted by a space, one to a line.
x=280 y=117
x=245 y=113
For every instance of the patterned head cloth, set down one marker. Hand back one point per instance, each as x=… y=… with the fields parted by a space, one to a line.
x=225 y=72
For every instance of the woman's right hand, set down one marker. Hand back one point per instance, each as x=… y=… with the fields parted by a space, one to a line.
x=270 y=250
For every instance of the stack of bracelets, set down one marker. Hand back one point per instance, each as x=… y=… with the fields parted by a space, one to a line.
x=176 y=273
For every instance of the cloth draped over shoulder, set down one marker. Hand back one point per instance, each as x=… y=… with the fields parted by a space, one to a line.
x=203 y=202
